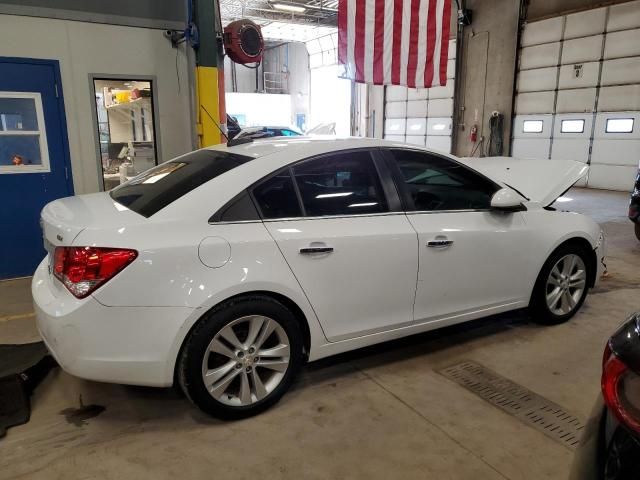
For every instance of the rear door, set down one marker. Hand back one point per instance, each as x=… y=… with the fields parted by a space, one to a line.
x=340 y=227
x=34 y=167
x=470 y=257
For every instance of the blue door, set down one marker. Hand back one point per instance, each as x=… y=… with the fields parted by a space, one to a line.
x=34 y=158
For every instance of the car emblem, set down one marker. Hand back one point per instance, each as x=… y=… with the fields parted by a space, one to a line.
x=59 y=237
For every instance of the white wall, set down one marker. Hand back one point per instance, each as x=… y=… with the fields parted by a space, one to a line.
x=299 y=78
x=291 y=58
x=245 y=77
x=260 y=109
x=330 y=99
x=86 y=48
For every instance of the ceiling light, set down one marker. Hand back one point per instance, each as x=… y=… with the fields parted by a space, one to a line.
x=288 y=7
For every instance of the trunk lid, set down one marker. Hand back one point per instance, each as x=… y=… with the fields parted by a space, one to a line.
x=62 y=220
x=541 y=181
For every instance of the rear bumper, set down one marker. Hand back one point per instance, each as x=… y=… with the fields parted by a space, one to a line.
x=130 y=345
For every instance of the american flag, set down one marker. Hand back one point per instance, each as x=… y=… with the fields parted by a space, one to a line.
x=395 y=42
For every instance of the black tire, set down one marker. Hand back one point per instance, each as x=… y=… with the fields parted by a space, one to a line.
x=637 y=230
x=538 y=307
x=189 y=371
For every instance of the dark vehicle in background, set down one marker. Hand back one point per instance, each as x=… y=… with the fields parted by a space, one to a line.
x=634 y=206
x=610 y=446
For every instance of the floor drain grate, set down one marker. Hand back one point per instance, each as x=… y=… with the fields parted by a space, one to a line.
x=534 y=410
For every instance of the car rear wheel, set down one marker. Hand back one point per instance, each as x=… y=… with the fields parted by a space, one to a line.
x=562 y=285
x=637 y=229
x=241 y=358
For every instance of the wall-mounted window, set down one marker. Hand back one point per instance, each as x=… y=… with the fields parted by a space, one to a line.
x=572 y=126
x=23 y=140
x=532 y=126
x=125 y=129
x=619 y=125
x=323 y=51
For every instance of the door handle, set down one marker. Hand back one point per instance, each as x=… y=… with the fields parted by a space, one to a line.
x=319 y=249
x=440 y=243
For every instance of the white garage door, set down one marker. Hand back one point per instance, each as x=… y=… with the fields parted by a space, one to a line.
x=578 y=92
x=422 y=116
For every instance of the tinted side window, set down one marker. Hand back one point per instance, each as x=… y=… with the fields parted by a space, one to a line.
x=239 y=209
x=277 y=198
x=340 y=184
x=436 y=183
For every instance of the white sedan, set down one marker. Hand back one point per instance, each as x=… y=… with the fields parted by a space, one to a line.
x=226 y=269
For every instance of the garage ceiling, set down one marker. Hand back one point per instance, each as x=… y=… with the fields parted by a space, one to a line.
x=319 y=12
x=283 y=19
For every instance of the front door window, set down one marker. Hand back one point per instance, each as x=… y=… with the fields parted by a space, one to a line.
x=435 y=183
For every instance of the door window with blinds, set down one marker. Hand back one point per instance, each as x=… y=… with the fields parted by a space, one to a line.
x=23 y=140
x=126 y=128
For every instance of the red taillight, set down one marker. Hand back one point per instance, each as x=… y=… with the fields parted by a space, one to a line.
x=83 y=269
x=620 y=389
x=606 y=355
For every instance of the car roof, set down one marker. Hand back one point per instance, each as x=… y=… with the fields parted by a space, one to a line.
x=301 y=146
x=268 y=155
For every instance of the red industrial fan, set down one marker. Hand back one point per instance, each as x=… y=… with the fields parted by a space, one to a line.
x=243 y=42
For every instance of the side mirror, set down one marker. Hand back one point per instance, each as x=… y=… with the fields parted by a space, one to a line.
x=507 y=200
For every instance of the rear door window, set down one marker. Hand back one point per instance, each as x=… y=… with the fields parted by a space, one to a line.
x=277 y=198
x=340 y=184
x=156 y=188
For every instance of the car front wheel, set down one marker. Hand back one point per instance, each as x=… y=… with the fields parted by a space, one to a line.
x=241 y=358
x=562 y=285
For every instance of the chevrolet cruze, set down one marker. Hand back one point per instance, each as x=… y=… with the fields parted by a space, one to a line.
x=225 y=269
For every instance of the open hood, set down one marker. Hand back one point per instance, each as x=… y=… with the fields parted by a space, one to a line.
x=541 y=180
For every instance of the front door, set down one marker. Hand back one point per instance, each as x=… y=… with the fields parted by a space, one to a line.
x=354 y=257
x=471 y=258
x=34 y=166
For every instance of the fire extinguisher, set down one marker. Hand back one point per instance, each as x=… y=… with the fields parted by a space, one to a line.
x=474 y=134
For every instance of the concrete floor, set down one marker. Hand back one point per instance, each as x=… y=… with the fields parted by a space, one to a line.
x=382 y=412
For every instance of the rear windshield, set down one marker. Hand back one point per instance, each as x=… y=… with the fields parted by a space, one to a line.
x=159 y=186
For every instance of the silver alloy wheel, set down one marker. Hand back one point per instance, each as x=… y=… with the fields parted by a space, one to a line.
x=246 y=360
x=565 y=285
